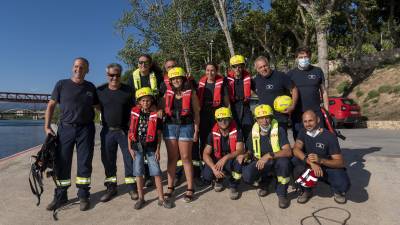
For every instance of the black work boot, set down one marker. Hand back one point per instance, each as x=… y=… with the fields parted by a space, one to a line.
x=84 y=204
x=283 y=202
x=60 y=198
x=304 y=196
x=110 y=193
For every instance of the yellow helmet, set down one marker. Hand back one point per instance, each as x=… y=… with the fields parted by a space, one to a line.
x=281 y=103
x=176 y=72
x=145 y=91
x=223 y=112
x=263 y=110
x=236 y=59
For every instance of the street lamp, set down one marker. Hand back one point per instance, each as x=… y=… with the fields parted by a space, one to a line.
x=211 y=48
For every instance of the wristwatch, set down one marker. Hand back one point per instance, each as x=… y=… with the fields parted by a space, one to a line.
x=272 y=155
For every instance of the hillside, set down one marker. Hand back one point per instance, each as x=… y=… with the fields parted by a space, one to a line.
x=378 y=96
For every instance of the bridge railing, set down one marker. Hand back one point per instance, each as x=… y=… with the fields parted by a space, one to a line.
x=24 y=97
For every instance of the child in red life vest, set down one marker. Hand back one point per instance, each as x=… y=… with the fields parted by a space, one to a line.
x=144 y=139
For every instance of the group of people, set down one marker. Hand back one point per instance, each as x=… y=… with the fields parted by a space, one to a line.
x=208 y=127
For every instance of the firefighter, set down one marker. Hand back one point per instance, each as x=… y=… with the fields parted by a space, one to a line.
x=115 y=105
x=318 y=149
x=181 y=108
x=144 y=139
x=223 y=145
x=239 y=90
x=76 y=97
x=269 y=153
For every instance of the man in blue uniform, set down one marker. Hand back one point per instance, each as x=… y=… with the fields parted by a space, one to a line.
x=269 y=84
x=310 y=82
x=269 y=153
x=76 y=98
x=115 y=104
x=318 y=149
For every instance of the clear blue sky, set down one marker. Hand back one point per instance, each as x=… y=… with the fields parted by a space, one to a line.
x=39 y=40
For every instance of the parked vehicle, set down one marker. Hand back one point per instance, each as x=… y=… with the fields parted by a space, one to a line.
x=344 y=111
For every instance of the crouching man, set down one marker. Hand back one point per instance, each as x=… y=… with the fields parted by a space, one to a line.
x=319 y=155
x=269 y=153
x=224 y=144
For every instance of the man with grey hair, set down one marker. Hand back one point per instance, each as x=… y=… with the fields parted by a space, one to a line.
x=269 y=84
x=115 y=104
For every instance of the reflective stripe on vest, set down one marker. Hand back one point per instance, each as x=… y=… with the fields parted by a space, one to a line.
x=217 y=139
x=283 y=180
x=274 y=137
x=236 y=175
x=63 y=183
x=138 y=84
x=217 y=90
x=130 y=180
x=110 y=180
x=151 y=125
x=246 y=85
x=82 y=180
x=186 y=100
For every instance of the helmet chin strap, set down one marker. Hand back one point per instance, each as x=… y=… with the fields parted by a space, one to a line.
x=314 y=132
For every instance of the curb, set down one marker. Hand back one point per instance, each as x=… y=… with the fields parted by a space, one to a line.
x=20 y=153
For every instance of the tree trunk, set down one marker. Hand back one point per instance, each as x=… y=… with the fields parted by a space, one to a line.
x=322 y=43
x=220 y=13
x=187 y=60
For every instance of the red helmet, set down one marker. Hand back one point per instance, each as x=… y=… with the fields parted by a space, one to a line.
x=307 y=179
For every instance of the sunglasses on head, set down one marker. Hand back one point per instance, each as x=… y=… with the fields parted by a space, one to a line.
x=143 y=62
x=114 y=75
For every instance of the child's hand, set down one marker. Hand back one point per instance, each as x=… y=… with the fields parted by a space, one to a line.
x=157 y=155
x=133 y=154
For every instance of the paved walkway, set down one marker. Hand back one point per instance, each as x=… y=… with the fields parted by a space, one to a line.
x=372 y=157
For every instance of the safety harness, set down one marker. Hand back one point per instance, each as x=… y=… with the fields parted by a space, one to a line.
x=44 y=159
x=138 y=84
x=217 y=139
x=246 y=85
x=274 y=137
x=217 y=90
x=151 y=125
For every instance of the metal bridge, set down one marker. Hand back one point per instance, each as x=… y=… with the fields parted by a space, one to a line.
x=24 y=97
x=21 y=113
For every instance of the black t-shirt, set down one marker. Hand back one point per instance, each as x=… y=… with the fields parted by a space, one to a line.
x=208 y=96
x=308 y=82
x=225 y=147
x=265 y=142
x=324 y=144
x=268 y=88
x=176 y=117
x=142 y=133
x=76 y=101
x=145 y=82
x=115 y=105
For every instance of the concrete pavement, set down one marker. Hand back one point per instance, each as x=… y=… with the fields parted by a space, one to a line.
x=372 y=157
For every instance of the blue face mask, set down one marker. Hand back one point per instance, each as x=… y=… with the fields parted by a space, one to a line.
x=304 y=62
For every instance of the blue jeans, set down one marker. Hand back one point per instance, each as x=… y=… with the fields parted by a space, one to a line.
x=138 y=163
x=180 y=132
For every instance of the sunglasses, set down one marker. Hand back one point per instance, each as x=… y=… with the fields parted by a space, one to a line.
x=237 y=66
x=143 y=62
x=223 y=120
x=114 y=75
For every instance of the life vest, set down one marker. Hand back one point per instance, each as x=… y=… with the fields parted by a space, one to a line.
x=151 y=125
x=137 y=83
x=186 y=101
x=274 y=137
x=246 y=85
x=217 y=139
x=219 y=80
x=166 y=82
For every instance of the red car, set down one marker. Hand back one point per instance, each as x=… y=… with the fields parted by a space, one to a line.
x=344 y=111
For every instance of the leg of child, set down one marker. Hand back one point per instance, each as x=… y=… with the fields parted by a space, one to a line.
x=140 y=184
x=159 y=187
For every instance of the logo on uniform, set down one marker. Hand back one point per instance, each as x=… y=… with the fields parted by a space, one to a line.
x=320 y=145
x=90 y=94
x=312 y=76
x=269 y=86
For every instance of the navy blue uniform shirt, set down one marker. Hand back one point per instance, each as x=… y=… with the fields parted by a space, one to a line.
x=265 y=142
x=324 y=144
x=308 y=83
x=76 y=101
x=268 y=88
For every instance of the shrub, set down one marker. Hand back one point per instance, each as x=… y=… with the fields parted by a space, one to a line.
x=395 y=90
x=342 y=87
x=376 y=100
x=372 y=94
x=359 y=93
x=385 y=89
x=365 y=105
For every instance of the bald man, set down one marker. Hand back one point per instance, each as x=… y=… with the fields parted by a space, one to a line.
x=319 y=149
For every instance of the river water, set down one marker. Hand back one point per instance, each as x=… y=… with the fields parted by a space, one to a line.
x=19 y=135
